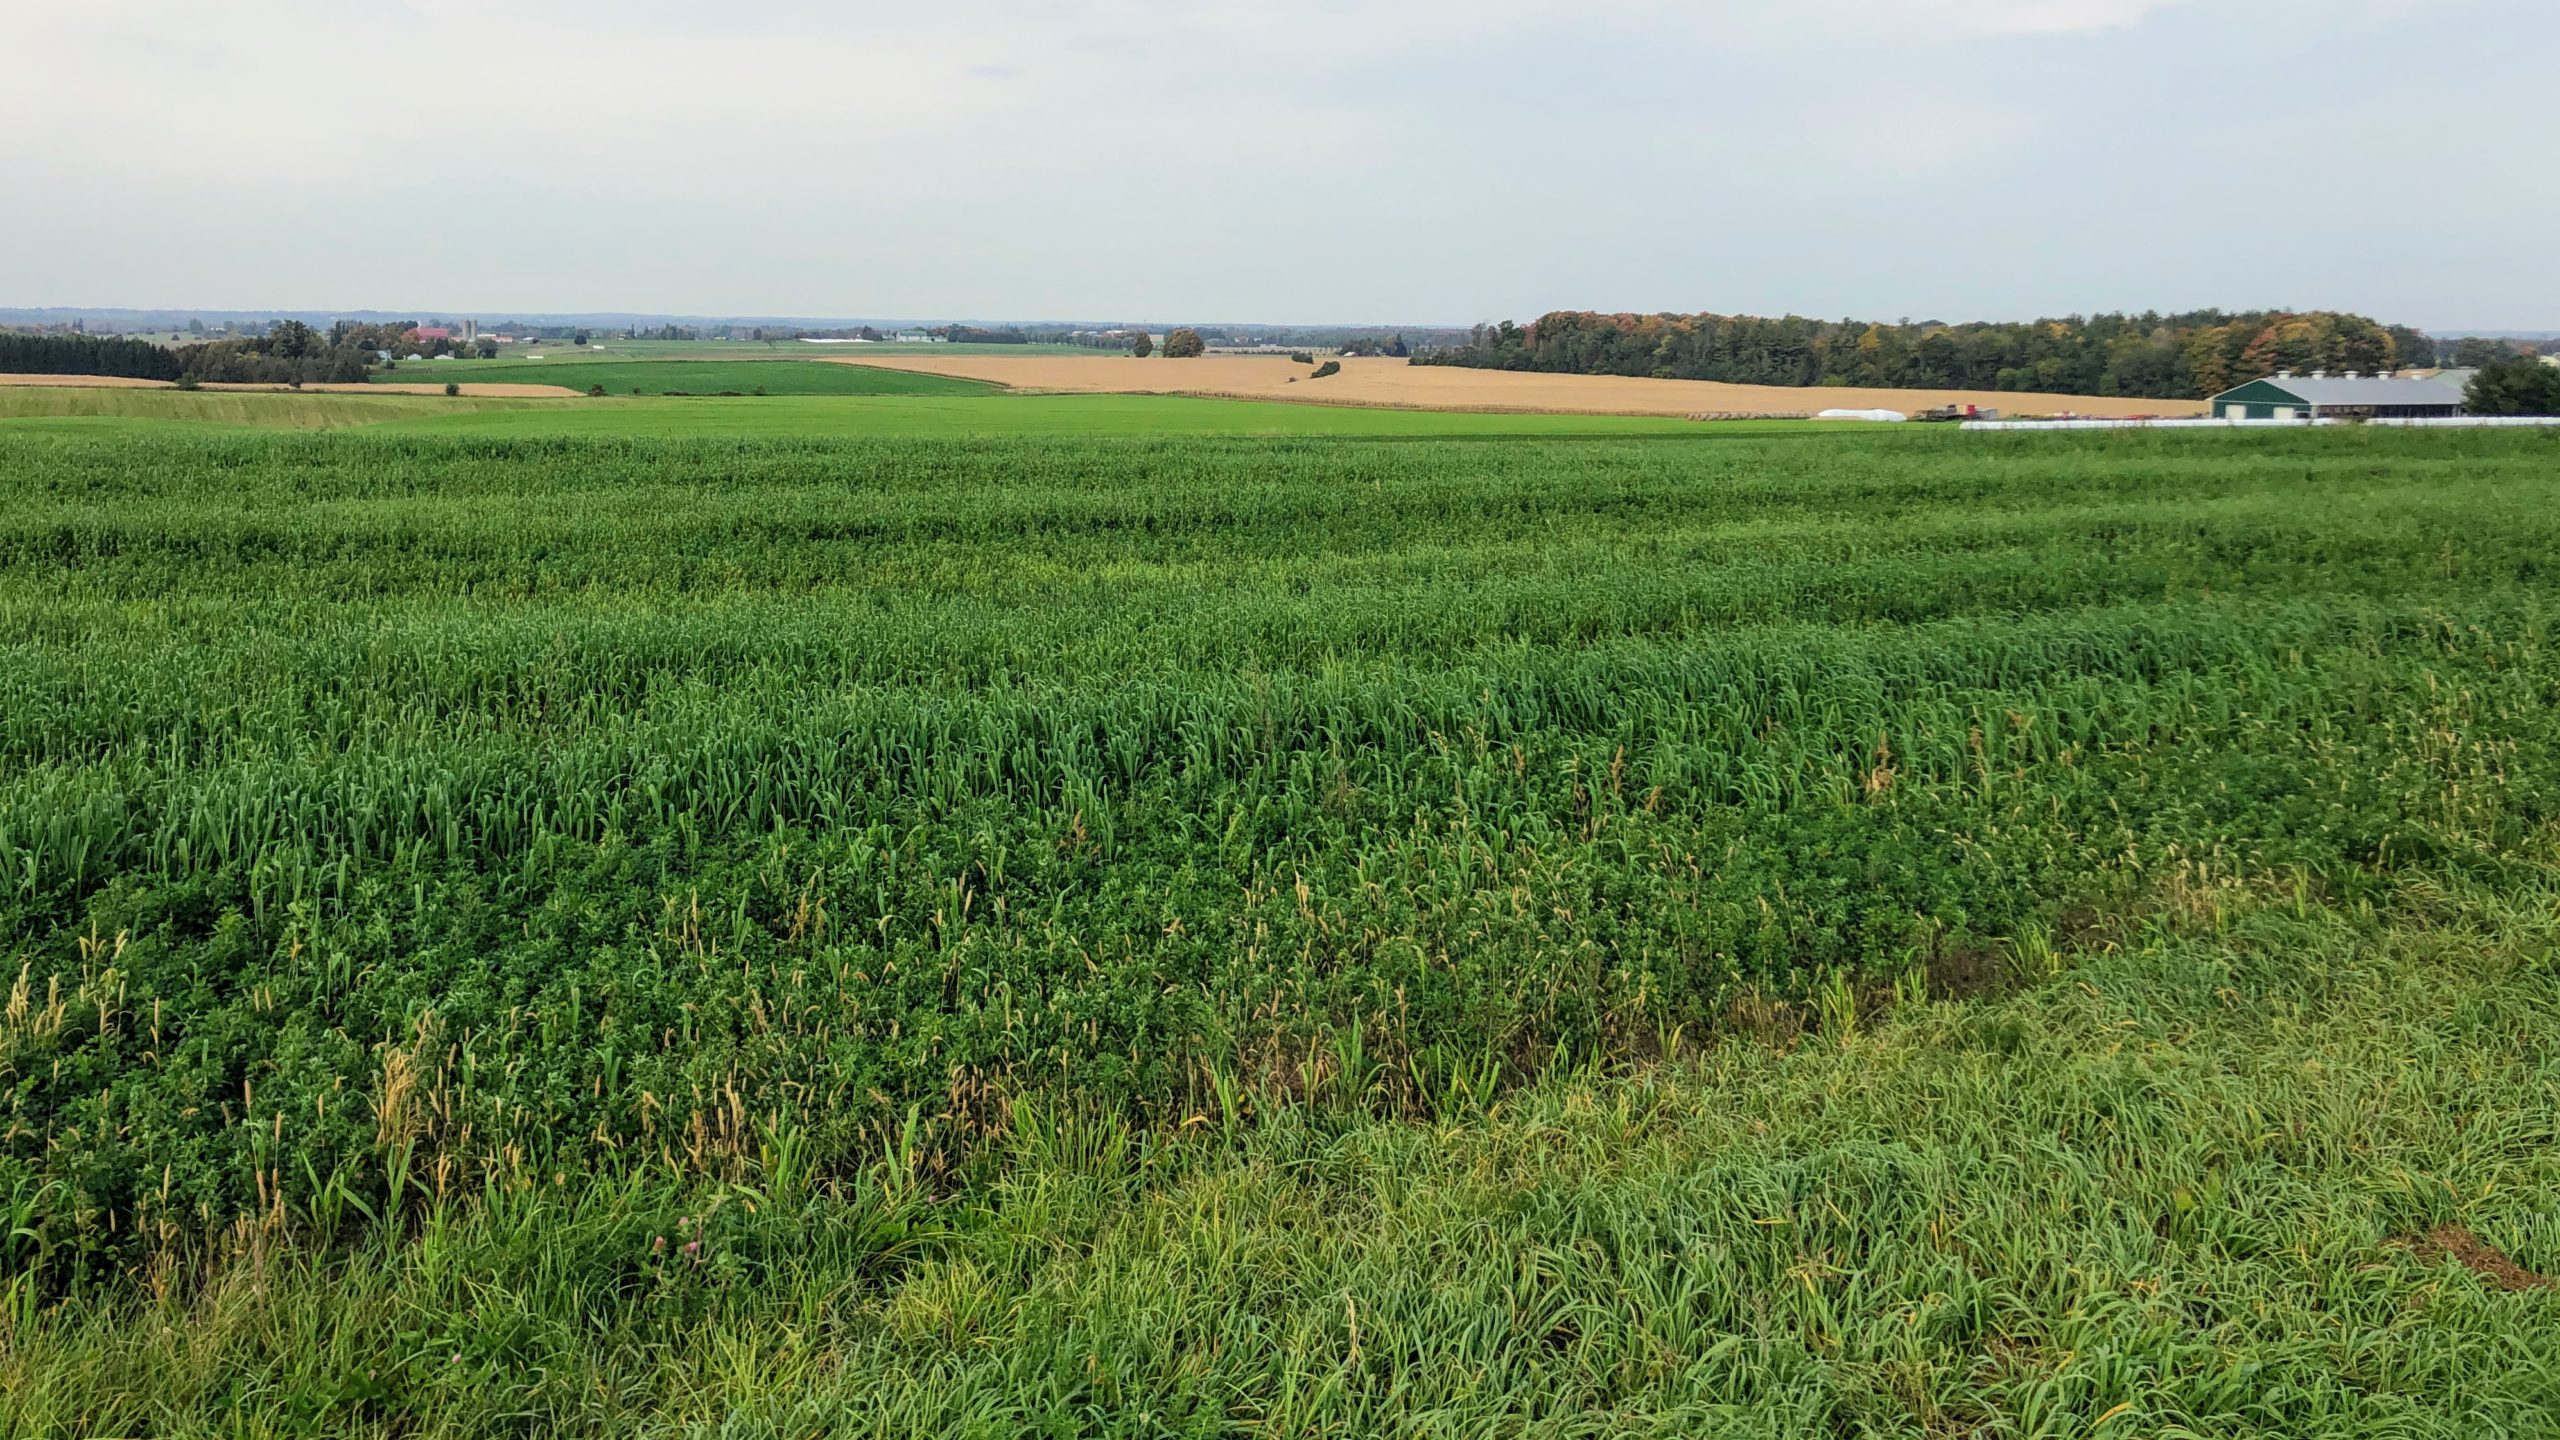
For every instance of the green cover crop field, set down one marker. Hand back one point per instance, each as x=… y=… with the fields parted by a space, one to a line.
x=743 y=418
x=684 y=377
x=1720 y=931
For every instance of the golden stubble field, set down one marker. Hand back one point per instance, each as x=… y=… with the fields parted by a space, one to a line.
x=1438 y=387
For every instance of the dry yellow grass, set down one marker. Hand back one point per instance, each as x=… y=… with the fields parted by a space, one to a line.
x=84 y=382
x=121 y=382
x=1438 y=387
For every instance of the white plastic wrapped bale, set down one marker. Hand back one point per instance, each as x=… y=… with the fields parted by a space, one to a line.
x=1890 y=415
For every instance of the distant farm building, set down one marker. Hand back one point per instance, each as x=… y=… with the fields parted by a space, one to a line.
x=2322 y=396
x=433 y=332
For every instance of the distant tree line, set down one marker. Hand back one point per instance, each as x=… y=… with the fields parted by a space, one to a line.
x=2178 y=357
x=974 y=335
x=2473 y=352
x=292 y=353
x=86 y=355
x=289 y=353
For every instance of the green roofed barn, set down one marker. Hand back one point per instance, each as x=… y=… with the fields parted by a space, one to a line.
x=2320 y=395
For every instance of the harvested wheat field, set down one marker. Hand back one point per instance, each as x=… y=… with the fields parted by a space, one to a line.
x=123 y=382
x=1441 y=387
x=84 y=382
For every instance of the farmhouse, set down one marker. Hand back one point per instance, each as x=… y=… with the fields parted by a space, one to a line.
x=2320 y=395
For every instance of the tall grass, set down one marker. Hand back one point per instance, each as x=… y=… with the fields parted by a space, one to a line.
x=904 y=867
x=2170 y=1192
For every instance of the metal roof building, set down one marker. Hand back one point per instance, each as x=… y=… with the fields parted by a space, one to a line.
x=2287 y=396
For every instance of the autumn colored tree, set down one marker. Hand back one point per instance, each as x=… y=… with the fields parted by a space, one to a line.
x=2411 y=349
x=2302 y=343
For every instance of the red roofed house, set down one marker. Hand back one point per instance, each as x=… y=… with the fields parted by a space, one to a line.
x=432 y=332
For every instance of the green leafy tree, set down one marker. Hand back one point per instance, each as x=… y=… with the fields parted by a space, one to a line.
x=1184 y=344
x=2515 y=385
x=2182 y=356
x=2412 y=349
x=2478 y=352
x=1143 y=346
x=292 y=340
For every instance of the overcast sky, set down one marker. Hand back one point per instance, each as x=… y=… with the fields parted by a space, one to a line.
x=1415 y=161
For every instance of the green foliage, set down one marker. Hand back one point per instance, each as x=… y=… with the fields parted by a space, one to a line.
x=1330 y=367
x=1142 y=345
x=812 y=417
x=86 y=355
x=2174 y=1190
x=1125 y=416
x=990 y=894
x=452 y=387
x=2514 y=385
x=2161 y=356
x=1184 y=345
x=291 y=353
x=2478 y=352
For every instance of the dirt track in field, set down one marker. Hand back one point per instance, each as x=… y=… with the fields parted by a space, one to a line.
x=121 y=382
x=1394 y=383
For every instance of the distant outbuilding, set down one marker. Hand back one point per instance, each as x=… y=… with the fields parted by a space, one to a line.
x=2322 y=396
